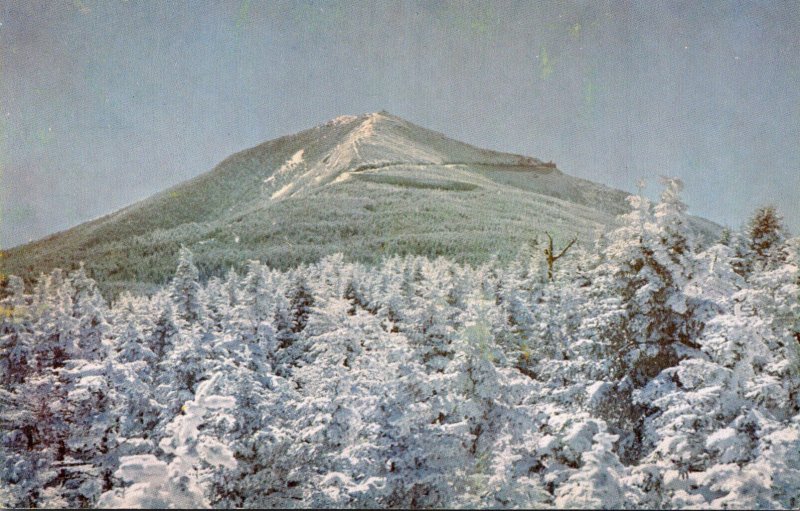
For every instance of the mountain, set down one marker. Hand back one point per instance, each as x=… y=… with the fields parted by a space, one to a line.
x=367 y=186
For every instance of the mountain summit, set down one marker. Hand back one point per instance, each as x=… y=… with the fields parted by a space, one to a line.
x=352 y=144
x=366 y=186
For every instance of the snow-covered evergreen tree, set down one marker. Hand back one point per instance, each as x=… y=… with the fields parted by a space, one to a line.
x=766 y=237
x=185 y=290
x=183 y=482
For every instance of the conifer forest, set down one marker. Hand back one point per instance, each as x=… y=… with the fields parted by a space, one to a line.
x=653 y=369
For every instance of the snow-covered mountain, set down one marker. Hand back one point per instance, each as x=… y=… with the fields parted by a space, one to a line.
x=648 y=373
x=366 y=186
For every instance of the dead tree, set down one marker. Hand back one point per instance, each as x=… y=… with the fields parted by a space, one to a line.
x=551 y=257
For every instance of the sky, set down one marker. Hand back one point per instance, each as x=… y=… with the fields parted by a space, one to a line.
x=105 y=103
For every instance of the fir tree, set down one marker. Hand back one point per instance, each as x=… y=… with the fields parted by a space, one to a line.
x=766 y=237
x=185 y=290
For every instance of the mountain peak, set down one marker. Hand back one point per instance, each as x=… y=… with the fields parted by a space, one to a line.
x=365 y=117
x=374 y=142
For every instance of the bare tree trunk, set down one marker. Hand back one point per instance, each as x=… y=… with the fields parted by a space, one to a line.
x=551 y=257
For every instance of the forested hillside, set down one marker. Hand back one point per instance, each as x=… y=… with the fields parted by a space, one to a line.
x=365 y=186
x=646 y=373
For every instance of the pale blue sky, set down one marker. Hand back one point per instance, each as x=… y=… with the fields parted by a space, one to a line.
x=105 y=103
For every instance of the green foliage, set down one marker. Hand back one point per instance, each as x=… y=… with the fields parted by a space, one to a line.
x=433 y=184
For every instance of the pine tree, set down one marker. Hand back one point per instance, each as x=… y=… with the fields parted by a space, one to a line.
x=650 y=262
x=184 y=481
x=766 y=238
x=185 y=290
x=301 y=299
x=183 y=368
x=16 y=336
x=89 y=409
x=90 y=311
x=165 y=333
x=713 y=409
x=428 y=318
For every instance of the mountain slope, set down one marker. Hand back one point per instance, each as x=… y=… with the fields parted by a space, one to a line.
x=363 y=185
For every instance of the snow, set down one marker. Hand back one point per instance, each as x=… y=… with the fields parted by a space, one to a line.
x=216 y=454
x=144 y=468
x=295 y=160
x=547 y=444
x=289 y=165
x=579 y=438
x=342 y=119
x=722 y=439
x=283 y=192
x=414 y=383
x=597 y=392
x=373 y=134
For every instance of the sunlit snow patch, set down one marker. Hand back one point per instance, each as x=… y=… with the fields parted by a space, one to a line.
x=292 y=163
x=342 y=119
